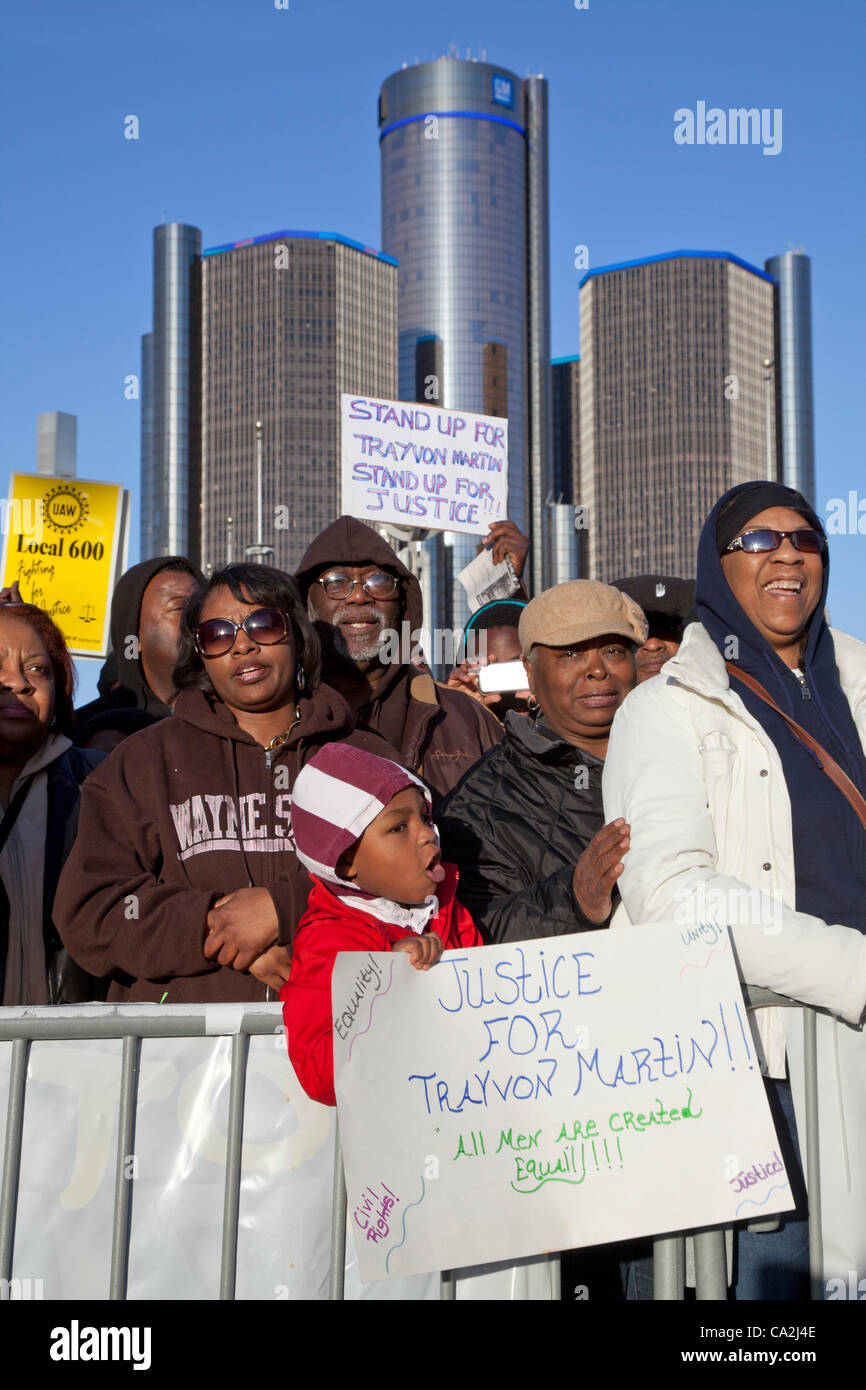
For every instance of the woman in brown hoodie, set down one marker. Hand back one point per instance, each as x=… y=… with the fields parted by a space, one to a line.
x=183 y=884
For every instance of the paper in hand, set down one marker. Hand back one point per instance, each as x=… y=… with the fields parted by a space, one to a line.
x=485 y=581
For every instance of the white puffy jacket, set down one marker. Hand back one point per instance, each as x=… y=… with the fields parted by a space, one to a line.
x=702 y=787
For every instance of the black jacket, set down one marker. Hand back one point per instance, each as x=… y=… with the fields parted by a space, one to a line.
x=516 y=825
x=67 y=982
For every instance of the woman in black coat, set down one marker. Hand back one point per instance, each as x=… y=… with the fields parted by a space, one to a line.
x=40 y=779
x=525 y=825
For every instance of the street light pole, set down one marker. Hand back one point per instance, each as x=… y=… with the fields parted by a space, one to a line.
x=259 y=552
x=768 y=378
x=258 y=483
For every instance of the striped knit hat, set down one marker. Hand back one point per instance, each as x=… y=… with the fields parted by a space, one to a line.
x=339 y=792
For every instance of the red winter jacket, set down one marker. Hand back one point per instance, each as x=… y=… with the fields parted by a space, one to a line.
x=326 y=928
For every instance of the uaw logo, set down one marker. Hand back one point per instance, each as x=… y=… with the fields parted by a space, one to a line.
x=65 y=508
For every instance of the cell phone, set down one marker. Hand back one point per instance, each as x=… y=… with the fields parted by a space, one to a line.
x=502 y=675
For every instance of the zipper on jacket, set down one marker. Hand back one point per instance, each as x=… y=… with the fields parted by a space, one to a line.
x=805 y=692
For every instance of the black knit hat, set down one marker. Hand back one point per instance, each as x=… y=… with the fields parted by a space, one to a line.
x=747 y=501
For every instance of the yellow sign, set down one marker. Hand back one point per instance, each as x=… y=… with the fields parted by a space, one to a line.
x=63 y=545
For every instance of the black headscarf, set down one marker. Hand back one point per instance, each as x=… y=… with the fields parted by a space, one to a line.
x=125 y=619
x=122 y=683
x=829 y=840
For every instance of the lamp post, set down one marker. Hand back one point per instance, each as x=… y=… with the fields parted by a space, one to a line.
x=259 y=552
x=768 y=382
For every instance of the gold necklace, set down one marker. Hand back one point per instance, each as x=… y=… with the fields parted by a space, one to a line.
x=279 y=741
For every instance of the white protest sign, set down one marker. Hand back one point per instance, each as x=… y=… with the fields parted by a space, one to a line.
x=446 y=470
x=547 y=1095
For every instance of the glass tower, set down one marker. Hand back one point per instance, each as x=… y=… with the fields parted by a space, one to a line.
x=792 y=273
x=170 y=375
x=465 y=213
x=148 y=519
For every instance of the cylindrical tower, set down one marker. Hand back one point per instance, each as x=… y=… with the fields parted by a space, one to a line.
x=147 y=520
x=792 y=272
x=176 y=249
x=464 y=211
x=562 y=554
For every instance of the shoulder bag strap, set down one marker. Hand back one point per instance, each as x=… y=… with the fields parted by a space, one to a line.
x=826 y=763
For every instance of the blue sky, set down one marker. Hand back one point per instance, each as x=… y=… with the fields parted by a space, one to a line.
x=254 y=118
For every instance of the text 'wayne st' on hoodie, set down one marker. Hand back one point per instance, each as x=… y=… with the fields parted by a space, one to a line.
x=178 y=816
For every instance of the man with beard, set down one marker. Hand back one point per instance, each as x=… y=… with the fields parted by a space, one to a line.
x=362 y=601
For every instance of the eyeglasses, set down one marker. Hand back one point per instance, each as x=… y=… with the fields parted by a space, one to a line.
x=378 y=585
x=763 y=541
x=216 y=636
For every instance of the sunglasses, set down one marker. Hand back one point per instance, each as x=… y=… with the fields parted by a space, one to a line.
x=761 y=542
x=216 y=636
x=378 y=585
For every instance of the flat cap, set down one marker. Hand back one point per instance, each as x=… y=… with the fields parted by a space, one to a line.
x=575 y=612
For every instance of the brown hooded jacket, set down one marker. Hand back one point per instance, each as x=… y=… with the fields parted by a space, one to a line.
x=179 y=815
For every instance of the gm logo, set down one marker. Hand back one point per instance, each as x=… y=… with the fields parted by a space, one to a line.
x=502 y=90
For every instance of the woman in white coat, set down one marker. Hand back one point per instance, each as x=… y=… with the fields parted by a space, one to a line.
x=733 y=818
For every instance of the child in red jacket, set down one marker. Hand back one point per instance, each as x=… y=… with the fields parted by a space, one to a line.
x=363 y=828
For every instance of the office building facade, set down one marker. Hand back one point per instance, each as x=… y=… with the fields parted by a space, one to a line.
x=677 y=403
x=792 y=272
x=465 y=213
x=289 y=321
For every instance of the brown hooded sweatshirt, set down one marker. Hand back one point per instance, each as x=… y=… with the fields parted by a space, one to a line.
x=176 y=817
x=439 y=733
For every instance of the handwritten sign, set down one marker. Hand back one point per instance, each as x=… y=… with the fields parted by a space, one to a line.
x=548 y=1095
x=415 y=465
x=65 y=544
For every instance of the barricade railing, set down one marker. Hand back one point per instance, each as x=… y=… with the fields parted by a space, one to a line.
x=669 y=1259
x=242 y=1022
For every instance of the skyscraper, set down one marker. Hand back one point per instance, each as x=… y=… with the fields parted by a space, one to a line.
x=289 y=322
x=170 y=396
x=792 y=274
x=465 y=213
x=676 y=403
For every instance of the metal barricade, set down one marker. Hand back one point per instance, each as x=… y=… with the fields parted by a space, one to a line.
x=669 y=1262
x=241 y=1023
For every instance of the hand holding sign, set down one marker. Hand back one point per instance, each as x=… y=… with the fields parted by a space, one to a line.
x=505 y=538
x=423 y=951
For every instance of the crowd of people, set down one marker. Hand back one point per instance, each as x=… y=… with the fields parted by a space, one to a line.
x=257 y=788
